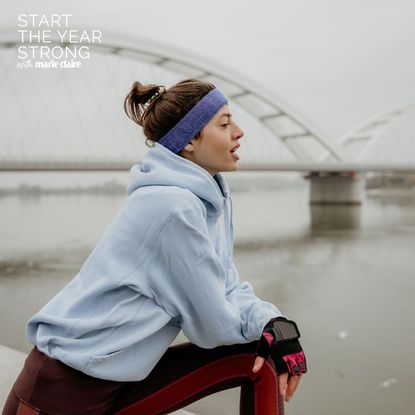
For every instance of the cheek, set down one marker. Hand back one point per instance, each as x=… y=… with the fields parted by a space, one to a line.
x=222 y=142
x=216 y=145
x=222 y=148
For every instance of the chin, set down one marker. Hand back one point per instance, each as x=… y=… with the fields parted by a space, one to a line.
x=229 y=167
x=235 y=167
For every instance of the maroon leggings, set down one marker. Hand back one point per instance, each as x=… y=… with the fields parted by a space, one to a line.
x=183 y=375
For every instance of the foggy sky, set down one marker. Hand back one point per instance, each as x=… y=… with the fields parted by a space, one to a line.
x=337 y=62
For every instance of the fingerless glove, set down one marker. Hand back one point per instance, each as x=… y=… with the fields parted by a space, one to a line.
x=279 y=340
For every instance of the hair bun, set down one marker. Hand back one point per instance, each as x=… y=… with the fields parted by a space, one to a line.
x=140 y=99
x=143 y=94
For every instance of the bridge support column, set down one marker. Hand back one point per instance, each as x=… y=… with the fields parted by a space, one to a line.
x=336 y=188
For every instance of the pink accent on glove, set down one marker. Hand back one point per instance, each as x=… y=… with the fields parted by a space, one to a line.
x=296 y=363
x=269 y=338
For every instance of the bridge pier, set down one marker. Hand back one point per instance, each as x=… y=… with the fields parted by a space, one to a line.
x=331 y=188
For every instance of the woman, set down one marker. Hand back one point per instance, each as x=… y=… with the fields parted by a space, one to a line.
x=164 y=264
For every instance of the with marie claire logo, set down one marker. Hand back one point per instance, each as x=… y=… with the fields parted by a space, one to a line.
x=48 y=42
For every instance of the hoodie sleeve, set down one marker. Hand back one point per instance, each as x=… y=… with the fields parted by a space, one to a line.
x=254 y=312
x=188 y=280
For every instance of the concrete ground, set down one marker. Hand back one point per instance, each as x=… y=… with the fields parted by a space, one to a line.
x=11 y=361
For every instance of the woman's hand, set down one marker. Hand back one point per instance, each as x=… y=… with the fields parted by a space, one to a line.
x=279 y=341
x=287 y=383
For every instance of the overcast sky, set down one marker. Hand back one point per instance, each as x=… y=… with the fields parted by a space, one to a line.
x=337 y=62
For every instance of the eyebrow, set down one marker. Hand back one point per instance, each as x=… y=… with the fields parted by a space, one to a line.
x=227 y=114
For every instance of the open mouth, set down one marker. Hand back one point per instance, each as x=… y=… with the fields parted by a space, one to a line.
x=233 y=151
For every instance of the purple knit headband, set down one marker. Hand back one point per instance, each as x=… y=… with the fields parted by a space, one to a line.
x=193 y=122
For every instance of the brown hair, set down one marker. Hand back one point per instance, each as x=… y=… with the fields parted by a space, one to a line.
x=158 y=110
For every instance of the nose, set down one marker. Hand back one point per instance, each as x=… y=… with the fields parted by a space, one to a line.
x=237 y=133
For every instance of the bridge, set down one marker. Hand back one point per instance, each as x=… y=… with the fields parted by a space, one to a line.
x=72 y=119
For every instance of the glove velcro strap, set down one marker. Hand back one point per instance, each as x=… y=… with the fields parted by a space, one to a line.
x=283 y=330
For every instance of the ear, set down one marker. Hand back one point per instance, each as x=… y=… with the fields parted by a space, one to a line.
x=189 y=147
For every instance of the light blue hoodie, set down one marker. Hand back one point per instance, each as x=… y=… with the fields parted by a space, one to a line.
x=163 y=264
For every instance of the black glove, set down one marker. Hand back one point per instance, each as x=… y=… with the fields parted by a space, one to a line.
x=280 y=340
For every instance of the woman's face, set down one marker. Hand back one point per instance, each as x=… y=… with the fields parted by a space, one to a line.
x=215 y=148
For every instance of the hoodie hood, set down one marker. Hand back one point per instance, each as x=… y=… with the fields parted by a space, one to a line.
x=161 y=167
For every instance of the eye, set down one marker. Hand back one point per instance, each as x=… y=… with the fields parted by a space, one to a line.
x=225 y=125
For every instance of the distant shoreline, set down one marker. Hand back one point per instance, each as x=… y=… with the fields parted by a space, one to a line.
x=108 y=188
x=240 y=182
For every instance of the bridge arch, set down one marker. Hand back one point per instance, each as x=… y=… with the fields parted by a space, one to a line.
x=301 y=142
x=385 y=138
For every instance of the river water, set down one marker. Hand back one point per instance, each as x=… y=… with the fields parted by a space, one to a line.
x=345 y=274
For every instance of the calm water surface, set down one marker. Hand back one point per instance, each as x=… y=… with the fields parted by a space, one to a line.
x=345 y=274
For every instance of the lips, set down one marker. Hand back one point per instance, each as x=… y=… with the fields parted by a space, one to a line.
x=233 y=151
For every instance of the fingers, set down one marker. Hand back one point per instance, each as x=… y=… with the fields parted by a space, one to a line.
x=292 y=385
x=288 y=384
x=296 y=363
x=283 y=378
x=259 y=362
